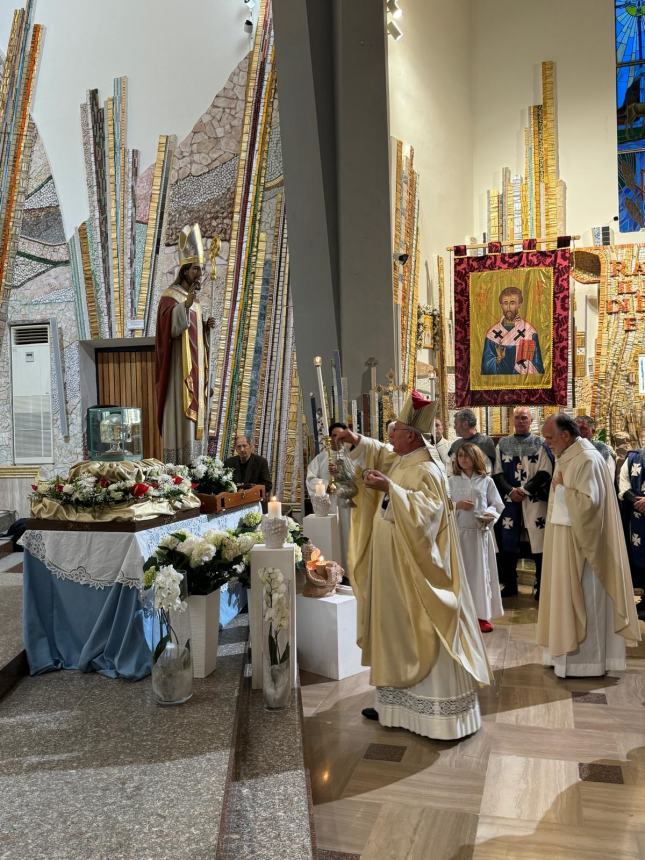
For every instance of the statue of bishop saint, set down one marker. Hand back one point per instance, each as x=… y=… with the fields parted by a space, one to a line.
x=181 y=348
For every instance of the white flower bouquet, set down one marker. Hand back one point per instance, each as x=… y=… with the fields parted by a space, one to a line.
x=209 y=475
x=208 y=561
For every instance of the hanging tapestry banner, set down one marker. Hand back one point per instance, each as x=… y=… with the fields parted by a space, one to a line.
x=511 y=328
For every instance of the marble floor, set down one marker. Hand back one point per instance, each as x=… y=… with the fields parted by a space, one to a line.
x=93 y=769
x=557 y=770
x=10 y=606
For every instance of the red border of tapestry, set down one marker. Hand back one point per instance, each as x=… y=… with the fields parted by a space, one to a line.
x=559 y=262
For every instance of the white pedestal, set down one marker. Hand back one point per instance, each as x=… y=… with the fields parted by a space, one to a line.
x=285 y=560
x=327 y=636
x=324 y=532
x=204 y=631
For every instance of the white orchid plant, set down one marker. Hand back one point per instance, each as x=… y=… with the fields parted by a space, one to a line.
x=167 y=599
x=276 y=612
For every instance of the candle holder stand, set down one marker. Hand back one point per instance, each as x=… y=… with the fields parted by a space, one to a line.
x=274 y=531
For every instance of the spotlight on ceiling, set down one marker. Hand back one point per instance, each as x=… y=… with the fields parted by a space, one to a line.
x=248 y=26
x=394 y=9
x=394 y=30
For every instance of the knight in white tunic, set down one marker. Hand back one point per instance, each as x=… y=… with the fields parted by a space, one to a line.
x=477 y=507
x=587 y=613
x=522 y=475
x=417 y=626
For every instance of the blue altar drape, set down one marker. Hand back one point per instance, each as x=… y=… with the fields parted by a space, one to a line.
x=67 y=625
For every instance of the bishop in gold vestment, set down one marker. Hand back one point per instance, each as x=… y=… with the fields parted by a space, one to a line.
x=417 y=625
x=587 y=613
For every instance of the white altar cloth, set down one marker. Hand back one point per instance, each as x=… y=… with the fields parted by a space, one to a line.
x=101 y=559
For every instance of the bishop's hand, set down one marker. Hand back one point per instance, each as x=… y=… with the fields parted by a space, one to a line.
x=210 y=322
x=347 y=436
x=375 y=480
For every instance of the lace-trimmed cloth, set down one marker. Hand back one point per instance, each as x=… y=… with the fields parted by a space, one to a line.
x=101 y=559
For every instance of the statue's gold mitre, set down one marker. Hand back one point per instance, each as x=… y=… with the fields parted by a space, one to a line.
x=418 y=412
x=191 y=247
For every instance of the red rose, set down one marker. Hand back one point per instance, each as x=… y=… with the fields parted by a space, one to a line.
x=140 y=490
x=104 y=483
x=34 y=487
x=177 y=479
x=59 y=488
x=193 y=484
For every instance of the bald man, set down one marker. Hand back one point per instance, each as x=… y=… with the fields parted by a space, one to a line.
x=522 y=474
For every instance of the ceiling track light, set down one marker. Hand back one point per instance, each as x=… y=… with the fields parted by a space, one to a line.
x=394 y=9
x=394 y=30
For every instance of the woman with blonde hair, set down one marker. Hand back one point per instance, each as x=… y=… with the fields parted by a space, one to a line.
x=478 y=506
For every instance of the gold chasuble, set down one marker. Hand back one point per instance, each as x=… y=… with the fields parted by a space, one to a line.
x=406 y=572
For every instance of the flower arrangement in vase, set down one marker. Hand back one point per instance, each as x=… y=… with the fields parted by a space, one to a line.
x=172 y=666
x=276 y=663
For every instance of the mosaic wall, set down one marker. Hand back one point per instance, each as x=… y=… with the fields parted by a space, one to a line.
x=41 y=289
x=256 y=383
x=106 y=281
x=405 y=275
x=621 y=338
x=19 y=70
x=36 y=283
x=532 y=205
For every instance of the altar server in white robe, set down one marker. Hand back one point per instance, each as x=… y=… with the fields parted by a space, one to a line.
x=587 y=613
x=478 y=506
x=416 y=624
x=318 y=470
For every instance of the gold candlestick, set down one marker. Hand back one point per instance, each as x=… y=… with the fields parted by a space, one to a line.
x=331 y=486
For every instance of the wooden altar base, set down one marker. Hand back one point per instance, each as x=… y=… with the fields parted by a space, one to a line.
x=113 y=525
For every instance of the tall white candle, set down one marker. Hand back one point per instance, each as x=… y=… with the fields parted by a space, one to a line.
x=274 y=508
x=321 y=392
x=320 y=488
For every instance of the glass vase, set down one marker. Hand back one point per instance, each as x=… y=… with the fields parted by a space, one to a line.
x=172 y=662
x=276 y=662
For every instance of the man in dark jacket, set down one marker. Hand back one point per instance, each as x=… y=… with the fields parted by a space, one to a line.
x=249 y=468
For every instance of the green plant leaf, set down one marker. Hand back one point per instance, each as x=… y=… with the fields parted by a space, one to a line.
x=161 y=644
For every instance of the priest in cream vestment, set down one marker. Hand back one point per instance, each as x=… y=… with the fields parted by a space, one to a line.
x=417 y=625
x=587 y=614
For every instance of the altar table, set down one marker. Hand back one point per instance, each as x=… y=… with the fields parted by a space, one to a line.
x=81 y=597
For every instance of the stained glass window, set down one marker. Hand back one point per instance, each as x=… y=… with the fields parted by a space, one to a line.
x=630 y=112
x=630 y=31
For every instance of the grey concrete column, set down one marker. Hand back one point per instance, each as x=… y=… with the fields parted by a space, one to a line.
x=331 y=60
x=306 y=104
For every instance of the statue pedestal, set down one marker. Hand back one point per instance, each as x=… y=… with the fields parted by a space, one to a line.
x=327 y=636
x=324 y=532
x=284 y=559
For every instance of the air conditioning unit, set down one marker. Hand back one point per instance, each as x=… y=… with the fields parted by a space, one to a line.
x=31 y=390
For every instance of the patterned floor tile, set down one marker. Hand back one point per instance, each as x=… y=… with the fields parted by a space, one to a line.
x=385 y=752
x=589 y=698
x=594 y=772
